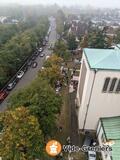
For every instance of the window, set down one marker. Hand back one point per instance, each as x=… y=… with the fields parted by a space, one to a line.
x=118 y=87
x=112 y=86
x=105 y=87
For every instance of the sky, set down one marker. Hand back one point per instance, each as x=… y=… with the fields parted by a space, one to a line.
x=96 y=3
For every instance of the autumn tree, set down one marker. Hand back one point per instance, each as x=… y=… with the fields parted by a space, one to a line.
x=84 y=42
x=53 y=60
x=21 y=137
x=42 y=102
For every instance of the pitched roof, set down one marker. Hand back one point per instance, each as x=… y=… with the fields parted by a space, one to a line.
x=103 y=59
x=111 y=127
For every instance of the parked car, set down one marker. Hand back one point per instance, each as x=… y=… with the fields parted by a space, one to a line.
x=42 y=54
x=40 y=49
x=91 y=155
x=11 y=85
x=88 y=140
x=25 y=68
x=33 y=58
x=34 y=64
x=36 y=53
x=29 y=63
x=3 y=95
x=20 y=74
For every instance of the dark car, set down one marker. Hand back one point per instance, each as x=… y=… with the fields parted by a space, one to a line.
x=3 y=95
x=25 y=68
x=11 y=85
x=29 y=63
x=88 y=140
x=36 y=53
x=33 y=58
x=34 y=64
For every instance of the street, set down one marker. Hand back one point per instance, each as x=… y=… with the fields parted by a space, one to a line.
x=31 y=74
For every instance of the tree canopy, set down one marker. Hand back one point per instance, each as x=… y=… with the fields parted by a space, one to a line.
x=42 y=102
x=21 y=137
x=61 y=49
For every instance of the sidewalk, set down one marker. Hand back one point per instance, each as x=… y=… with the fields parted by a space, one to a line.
x=76 y=138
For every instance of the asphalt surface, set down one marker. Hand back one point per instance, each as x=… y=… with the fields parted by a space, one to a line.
x=31 y=74
x=75 y=137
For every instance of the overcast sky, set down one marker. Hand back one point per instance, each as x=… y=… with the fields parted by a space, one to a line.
x=98 y=3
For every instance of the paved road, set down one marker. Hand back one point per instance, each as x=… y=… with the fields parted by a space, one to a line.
x=32 y=72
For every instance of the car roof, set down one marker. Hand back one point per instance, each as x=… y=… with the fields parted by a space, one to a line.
x=91 y=152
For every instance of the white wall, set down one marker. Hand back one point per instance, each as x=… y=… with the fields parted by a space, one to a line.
x=102 y=104
x=86 y=92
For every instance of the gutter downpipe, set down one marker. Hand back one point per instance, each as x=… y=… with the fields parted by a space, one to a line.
x=95 y=71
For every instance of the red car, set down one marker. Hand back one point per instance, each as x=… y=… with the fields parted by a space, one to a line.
x=3 y=95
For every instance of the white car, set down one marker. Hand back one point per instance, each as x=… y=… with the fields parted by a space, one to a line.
x=40 y=50
x=20 y=74
x=42 y=55
x=91 y=155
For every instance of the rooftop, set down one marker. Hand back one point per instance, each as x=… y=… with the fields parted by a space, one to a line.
x=111 y=127
x=103 y=59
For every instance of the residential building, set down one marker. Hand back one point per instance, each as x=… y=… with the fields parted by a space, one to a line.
x=98 y=93
x=108 y=133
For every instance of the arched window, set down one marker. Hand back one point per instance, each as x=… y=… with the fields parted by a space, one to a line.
x=118 y=87
x=106 y=83
x=112 y=86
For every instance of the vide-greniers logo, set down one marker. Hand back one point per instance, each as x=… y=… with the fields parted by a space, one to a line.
x=53 y=148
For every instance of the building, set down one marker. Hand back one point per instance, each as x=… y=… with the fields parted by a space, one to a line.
x=98 y=93
x=108 y=132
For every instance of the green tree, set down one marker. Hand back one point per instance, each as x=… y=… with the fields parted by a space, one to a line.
x=97 y=39
x=21 y=137
x=61 y=50
x=72 y=44
x=42 y=102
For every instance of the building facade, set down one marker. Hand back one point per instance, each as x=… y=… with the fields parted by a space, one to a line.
x=98 y=93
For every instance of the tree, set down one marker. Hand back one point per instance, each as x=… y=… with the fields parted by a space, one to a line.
x=61 y=50
x=53 y=60
x=42 y=102
x=72 y=44
x=84 y=42
x=51 y=74
x=97 y=39
x=21 y=137
x=60 y=19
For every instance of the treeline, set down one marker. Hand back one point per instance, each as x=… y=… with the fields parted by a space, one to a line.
x=7 y=31
x=20 y=47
